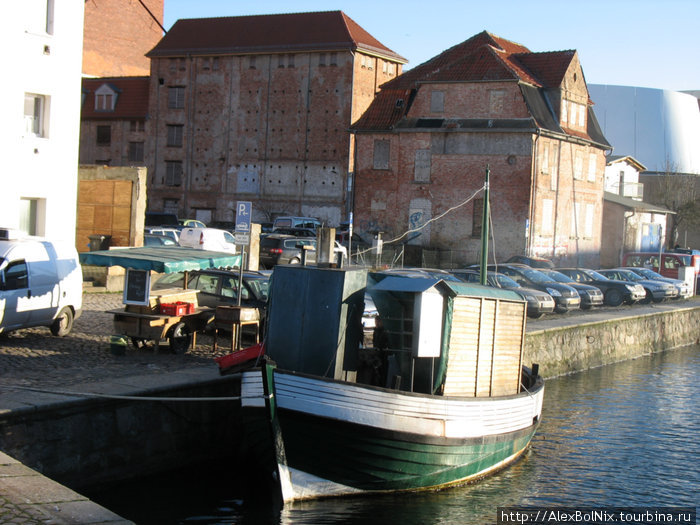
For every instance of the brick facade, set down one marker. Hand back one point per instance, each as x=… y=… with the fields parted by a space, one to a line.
x=268 y=127
x=546 y=183
x=117 y=35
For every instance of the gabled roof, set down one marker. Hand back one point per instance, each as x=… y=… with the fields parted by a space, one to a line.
x=132 y=102
x=282 y=33
x=613 y=159
x=489 y=57
x=482 y=58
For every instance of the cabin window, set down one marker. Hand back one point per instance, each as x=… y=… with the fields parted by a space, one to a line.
x=175 y=135
x=592 y=158
x=578 y=166
x=135 y=151
x=496 y=101
x=545 y=158
x=104 y=135
x=590 y=214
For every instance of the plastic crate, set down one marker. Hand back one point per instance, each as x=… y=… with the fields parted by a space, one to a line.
x=177 y=309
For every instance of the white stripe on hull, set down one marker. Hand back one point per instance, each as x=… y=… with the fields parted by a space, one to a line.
x=432 y=416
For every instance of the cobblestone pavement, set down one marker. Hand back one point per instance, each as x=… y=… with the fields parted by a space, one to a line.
x=35 y=358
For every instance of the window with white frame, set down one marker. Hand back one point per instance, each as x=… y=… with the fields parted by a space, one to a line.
x=36 y=112
x=582 y=116
x=592 y=161
x=173 y=172
x=105 y=98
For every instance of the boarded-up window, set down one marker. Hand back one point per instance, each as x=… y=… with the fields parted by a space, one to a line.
x=555 y=168
x=437 y=101
x=477 y=217
x=422 y=166
x=578 y=166
x=545 y=158
x=381 y=154
x=590 y=213
x=575 y=214
x=563 y=111
x=592 y=167
x=547 y=224
x=496 y=100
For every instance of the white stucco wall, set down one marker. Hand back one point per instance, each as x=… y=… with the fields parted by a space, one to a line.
x=630 y=179
x=48 y=64
x=659 y=128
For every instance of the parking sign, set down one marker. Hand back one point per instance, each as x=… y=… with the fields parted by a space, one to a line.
x=244 y=211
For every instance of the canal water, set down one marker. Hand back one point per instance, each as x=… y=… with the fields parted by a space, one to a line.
x=621 y=435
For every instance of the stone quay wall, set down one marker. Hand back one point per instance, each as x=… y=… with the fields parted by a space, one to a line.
x=566 y=349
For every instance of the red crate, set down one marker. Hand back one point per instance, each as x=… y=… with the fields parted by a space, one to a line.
x=178 y=308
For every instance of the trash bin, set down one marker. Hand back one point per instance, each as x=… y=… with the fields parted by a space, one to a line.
x=99 y=242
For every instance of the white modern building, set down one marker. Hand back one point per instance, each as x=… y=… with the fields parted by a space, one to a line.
x=40 y=110
x=659 y=128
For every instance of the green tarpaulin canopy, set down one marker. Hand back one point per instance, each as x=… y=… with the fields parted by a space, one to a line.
x=161 y=259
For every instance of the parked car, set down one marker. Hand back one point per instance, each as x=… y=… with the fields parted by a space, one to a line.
x=219 y=287
x=532 y=262
x=296 y=222
x=685 y=290
x=191 y=223
x=538 y=302
x=211 y=239
x=656 y=291
x=614 y=292
x=150 y=239
x=590 y=295
x=173 y=233
x=428 y=273
x=297 y=232
x=41 y=283
x=279 y=248
x=565 y=296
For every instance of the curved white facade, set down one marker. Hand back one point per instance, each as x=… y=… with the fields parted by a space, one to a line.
x=659 y=128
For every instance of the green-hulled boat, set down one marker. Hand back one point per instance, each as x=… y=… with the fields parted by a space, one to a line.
x=441 y=398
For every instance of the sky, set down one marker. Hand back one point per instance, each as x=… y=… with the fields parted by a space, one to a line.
x=644 y=43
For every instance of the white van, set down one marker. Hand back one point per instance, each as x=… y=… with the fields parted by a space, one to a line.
x=211 y=239
x=41 y=283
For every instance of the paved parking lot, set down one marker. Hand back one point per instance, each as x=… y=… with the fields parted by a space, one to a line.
x=35 y=358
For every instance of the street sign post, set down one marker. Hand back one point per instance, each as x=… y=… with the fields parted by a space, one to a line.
x=244 y=213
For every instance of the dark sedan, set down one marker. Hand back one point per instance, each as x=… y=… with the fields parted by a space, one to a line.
x=538 y=302
x=685 y=290
x=656 y=291
x=614 y=292
x=590 y=295
x=565 y=297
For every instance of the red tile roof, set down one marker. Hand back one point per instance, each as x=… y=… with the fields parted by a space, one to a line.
x=282 y=33
x=132 y=100
x=489 y=57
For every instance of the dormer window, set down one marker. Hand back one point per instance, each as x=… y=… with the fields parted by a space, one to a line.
x=105 y=98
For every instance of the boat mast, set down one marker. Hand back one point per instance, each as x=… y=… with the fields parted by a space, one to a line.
x=485 y=229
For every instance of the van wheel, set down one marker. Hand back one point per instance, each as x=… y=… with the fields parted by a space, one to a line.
x=180 y=338
x=62 y=325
